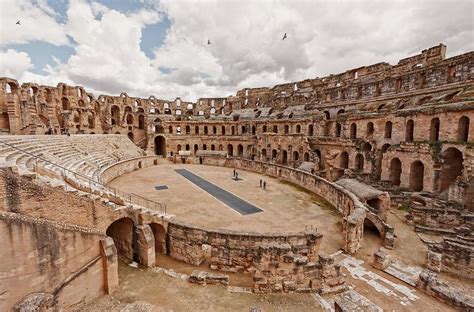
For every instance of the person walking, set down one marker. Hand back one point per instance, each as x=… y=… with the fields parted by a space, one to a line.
x=233 y=174
x=260 y=182
x=264 y=185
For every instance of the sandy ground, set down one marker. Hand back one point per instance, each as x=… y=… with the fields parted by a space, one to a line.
x=286 y=207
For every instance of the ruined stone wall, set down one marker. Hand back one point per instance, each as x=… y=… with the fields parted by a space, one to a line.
x=453 y=255
x=58 y=259
x=278 y=262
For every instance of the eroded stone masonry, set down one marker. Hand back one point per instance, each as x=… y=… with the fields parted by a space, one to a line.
x=367 y=140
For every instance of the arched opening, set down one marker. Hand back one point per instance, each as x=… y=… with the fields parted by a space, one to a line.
x=310 y=130
x=395 y=171
x=306 y=156
x=284 y=157
x=275 y=129
x=141 y=122
x=196 y=130
x=188 y=130
x=170 y=130
x=206 y=130
x=223 y=130
x=264 y=155
x=254 y=130
x=213 y=147
x=91 y=120
x=274 y=154
x=187 y=147
x=214 y=130
x=353 y=131
x=370 y=129
x=417 y=171
x=371 y=236
x=4 y=121
x=232 y=130
x=129 y=119
x=287 y=129
x=230 y=150
x=359 y=163
x=159 y=234
x=196 y=148
x=240 y=151
x=337 y=131
x=409 y=130
x=130 y=136
x=115 y=115
x=463 y=129
x=296 y=156
x=122 y=232
x=65 y=104
x=375 y=203
x=434 y=130
x=298 y=129
x=388 y=130
x=160 y=146
x=452 y=167
x=264 y=128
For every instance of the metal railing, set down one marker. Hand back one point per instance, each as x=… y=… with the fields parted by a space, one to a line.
x=127 y=197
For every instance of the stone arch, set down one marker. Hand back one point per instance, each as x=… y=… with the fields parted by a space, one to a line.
x=206 y=131
x=274 y=154
x=223 y=130
x=240 y=151
x=395 y=171
x=310 y=130
x=214 y=130
x=230 y=150
x=452 y=167
x=65 y=104
x=196 y=129
x=296 y=156
x=159 y=233
x=115 y=113
x=188 y=129
x=141 y=122
x=129 y=119
x=298 y=128
x=417 y=171
x=434 y=129
x=463 y=129
x=409 y=130
x=254 y=130
x=359 y=163
x=275 y=129
x=264 y=154
x=388 y=130
x=370 y=129
x=122 y=232
x=196 y=148
x=287 y=129
x=160 y=145
x=284 y=157
x=170 y=129
x=306 y=156
x=353 y=134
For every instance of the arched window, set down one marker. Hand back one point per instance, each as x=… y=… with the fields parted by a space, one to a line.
x=353 y=131
x=409 y=130
x=287 y=129
x=463 y=129
x=388 y=130
x=298 y=129
x=141 y=122
x=275 y=129
x=370 y=129
x=337 y=132
x=434 y=130
x=223 y=130
x=417 y=171
x=310 y=130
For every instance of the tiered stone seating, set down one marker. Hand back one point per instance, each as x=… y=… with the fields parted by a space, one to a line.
x=86 y=155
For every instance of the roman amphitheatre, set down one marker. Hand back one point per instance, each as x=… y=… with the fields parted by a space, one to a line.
x=350 y=192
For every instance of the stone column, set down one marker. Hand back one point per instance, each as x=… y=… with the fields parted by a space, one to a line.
x=145 y=245
x=110 y=264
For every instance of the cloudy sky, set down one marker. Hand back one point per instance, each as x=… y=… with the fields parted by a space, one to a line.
x=159 y=47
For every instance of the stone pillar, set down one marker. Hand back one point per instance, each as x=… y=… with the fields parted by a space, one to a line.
x=145 y=245
x=381 y=259
x=110 y=264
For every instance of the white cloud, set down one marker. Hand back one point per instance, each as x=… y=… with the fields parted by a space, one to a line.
x=36 y=19
x=246 y=49
x=14 y=63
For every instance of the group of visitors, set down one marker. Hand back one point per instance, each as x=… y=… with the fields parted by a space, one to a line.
x=63 y=131
x=263 y=184
x=236 y=175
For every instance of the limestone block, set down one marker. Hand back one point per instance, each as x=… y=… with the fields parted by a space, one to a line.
x=381 y=259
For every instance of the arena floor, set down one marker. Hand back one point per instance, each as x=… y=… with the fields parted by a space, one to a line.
x=286 y=208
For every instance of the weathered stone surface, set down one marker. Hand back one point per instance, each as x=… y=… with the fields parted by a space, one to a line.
x=204 y=278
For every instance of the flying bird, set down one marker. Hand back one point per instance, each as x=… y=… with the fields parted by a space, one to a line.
x=18 y=22
x=208 y=41
x=284 y=37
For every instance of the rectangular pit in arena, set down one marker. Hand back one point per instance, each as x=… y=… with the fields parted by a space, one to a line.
x=234 y=202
